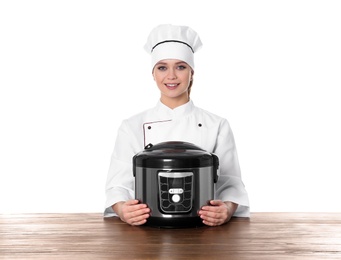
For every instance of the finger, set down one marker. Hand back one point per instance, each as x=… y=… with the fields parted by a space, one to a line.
x=212 y=218
x=217 y=209
x=139 y=220
x=213 y=205
x=211 y=221
x=137 y=215
x=131 y=207
x=210 y=214
x=135 y=211
x=131 y=202
x=216 y=203
x=131 y=211
x=138 y=223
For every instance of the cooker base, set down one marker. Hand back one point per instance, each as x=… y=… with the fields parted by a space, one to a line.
x=185 y=222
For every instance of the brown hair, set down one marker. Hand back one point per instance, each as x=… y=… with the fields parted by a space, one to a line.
x=190 y=88
x=190 y=84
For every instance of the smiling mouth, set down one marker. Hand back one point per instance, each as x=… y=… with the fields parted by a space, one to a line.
x=172 y=86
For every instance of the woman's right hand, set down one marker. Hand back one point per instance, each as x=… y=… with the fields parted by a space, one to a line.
x=132 y=212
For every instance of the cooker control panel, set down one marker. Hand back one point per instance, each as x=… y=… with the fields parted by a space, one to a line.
x=175 y=191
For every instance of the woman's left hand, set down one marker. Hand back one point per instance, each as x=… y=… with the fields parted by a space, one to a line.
x=217 y=213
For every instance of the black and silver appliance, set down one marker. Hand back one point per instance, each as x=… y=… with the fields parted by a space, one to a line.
x=175 y=179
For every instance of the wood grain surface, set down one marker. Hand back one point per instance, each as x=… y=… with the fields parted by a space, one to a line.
x=90 y=236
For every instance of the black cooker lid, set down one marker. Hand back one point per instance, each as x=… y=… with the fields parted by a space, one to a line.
x=175 y=154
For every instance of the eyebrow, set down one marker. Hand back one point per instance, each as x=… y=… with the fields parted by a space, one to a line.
x=165 y=63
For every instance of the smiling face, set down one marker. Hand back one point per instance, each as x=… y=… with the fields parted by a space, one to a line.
x=173 y=78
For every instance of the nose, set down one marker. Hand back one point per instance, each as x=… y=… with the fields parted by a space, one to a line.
x=171 y=74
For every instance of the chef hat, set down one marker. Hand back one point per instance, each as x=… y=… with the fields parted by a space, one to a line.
x=168 y=41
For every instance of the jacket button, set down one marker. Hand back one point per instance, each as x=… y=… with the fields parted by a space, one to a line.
x=200 y=125
x=149 y=127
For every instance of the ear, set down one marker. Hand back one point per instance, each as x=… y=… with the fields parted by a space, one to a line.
x=153 y=74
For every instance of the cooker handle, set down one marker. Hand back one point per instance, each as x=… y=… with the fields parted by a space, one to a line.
x=148 y=146
x=134 y=168
x=178 y=145
x=215 y=167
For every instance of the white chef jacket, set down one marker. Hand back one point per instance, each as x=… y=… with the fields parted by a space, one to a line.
x=186 y=123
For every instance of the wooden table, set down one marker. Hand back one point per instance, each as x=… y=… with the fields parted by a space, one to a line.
x=89 y=236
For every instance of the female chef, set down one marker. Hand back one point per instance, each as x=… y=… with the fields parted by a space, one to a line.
x=175 y=118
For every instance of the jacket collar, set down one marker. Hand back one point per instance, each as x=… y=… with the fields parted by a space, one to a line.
x=181 y=111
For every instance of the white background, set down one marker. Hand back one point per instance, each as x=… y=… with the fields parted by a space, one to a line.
x=71 y=71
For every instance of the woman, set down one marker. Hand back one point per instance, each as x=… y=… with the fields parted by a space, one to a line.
x=175 y=118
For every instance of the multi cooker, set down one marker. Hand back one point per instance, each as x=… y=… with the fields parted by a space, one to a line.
x=175 y=179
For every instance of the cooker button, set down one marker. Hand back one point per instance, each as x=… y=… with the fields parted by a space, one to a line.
x=187 y=203
x=188 y=179
x=165 y=204
x=163 y=180
x=188 y=195
x=176 y=198
x=176 y=191
x=180 y=208
x=164 y=187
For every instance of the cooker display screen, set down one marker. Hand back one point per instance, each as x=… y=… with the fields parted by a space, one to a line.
x=176 y=182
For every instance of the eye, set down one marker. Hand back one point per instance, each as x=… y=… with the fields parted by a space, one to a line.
x=181 y=67
x=161 y=67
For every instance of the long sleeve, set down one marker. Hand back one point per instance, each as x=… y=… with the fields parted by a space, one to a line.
x=120 y=180
x=230 y=186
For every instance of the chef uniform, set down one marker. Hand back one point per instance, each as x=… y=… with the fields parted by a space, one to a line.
x=186 y=123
